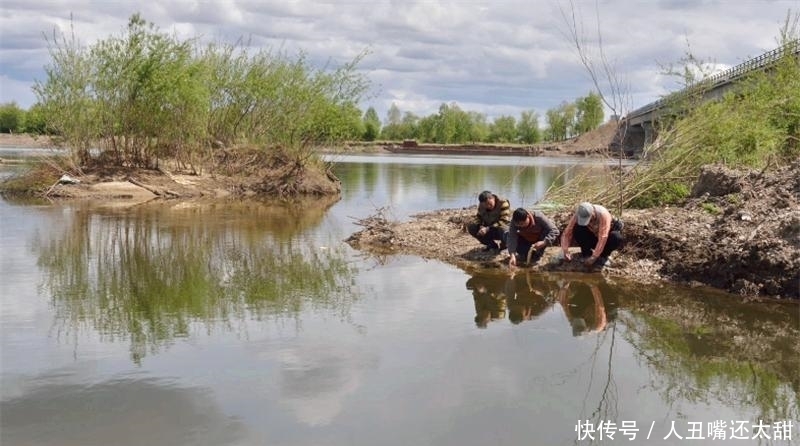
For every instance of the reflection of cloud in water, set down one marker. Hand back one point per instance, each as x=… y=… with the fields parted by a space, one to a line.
x=118 y=412
x=315 y=380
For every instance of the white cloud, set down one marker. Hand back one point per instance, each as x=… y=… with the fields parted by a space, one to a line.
x=491 y=57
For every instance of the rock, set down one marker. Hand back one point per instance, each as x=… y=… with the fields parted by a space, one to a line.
x=66 y=179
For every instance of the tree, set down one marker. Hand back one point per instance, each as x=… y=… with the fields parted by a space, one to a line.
x=394 y=116
x=503 y=129
x=560 y=121
x=589 y=113
x=372 y=125
x=145 y=95
x=392 y=130
x=36 y=120
x=137 y=95
x=528 y=128
x=11 y=118
x=479 y=129
x=409 y=128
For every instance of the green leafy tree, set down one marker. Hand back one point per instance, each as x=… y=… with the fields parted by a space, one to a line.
x=451 y=125
x=36 y=120
x=271 y=99
x=11 y=118
x=409 y=128
x=392 y=129
x=150 y=95
x=528 y=128
x=139 y=95
x=479 y=128
x=394 y=116
x=145 y=95
x=503 y=129
x=560 y=121
x=66 y=96
x=372 y=125
x=589 y=113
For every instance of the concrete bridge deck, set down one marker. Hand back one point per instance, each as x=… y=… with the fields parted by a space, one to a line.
x=638 y=125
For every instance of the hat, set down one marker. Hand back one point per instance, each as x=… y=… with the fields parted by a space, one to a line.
x=584 y=213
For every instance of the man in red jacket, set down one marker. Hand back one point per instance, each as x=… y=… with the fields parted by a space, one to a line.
x=529 y=231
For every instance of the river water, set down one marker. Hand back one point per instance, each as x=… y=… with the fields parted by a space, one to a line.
x=252 y=323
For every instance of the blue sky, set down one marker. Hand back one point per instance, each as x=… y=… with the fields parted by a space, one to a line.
x=496 y=57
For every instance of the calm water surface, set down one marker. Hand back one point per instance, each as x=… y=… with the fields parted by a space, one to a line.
x=244 y=323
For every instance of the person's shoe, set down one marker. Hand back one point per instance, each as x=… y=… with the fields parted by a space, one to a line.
x=602 y=262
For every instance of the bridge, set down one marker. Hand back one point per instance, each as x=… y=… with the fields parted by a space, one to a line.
x=638 y=127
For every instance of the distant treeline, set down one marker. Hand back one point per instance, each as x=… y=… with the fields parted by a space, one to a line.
x=452 y=125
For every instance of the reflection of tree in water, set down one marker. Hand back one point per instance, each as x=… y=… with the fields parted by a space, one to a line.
x=718 y=349
x=149 y=273
x=449 y=179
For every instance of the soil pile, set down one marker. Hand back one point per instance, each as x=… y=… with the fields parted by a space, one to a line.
x=592 y=143
x=740 y=231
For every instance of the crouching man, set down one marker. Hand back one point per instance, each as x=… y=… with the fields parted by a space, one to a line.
x=528 y=235
x=596 y=232
x=491 y=221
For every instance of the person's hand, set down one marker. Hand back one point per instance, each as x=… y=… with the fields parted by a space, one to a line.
x=483 y=230
x=567 y=256
x=539 y=245
x=512 y=261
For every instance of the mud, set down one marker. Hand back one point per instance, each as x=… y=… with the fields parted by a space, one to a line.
x=740 y=232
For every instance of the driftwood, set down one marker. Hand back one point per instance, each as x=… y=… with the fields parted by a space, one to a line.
x=153 y=190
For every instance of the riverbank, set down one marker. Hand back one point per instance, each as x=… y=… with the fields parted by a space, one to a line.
x=595 y=143
x=739 y=232
x=242 y=172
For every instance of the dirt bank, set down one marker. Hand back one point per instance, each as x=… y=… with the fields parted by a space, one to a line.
x=237 y=173
x=740 y=231
x=26 y=141
x=593 y=143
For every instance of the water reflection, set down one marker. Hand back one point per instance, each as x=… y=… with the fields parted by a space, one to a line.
x=393 y=355
x=415 y=187
x=529 y=295
x=488 y=293
x=526 y=296
x=149 y=273
x=119 y=412
x=716 y=350
x=584 y=307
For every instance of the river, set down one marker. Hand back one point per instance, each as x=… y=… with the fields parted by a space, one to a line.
x=252 y=323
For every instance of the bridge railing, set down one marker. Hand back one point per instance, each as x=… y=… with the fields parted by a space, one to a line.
x=726 y=76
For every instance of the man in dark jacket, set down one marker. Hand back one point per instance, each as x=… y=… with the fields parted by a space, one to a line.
x=491 y=221
x=529 y=231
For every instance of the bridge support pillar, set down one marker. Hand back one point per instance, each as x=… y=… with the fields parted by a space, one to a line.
x=649 y=133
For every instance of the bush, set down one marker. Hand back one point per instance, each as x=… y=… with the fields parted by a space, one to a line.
x=11 y=118
x=145 y=96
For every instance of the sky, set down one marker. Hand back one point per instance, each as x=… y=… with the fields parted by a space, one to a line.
x=498 y=57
